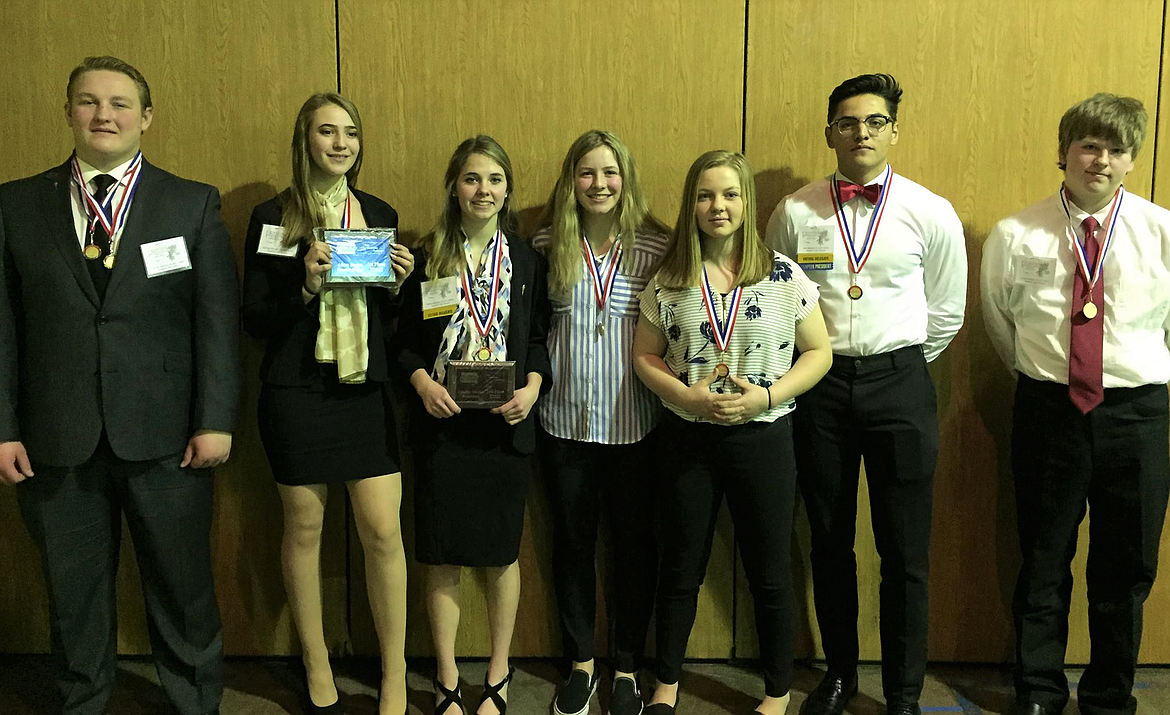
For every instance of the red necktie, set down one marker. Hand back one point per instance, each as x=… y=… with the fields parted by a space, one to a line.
x=847 y=190
x=1087 y=335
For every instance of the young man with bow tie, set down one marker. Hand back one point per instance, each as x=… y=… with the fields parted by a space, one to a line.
x=119 y=378
x=1075 y=302
x=890 y=259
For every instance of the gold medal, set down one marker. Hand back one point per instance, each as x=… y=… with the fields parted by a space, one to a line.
x=600 y=329
x=722 y=370
x=483 y=354
x=108 y=261
x=854 y=291
x=1090 y=310
x=92 y=252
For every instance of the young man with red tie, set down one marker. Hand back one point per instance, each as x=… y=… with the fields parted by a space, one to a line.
x=1075 y=301
x=119 y=378
x=890 y=259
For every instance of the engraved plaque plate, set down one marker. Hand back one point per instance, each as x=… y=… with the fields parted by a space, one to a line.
x=486 y=384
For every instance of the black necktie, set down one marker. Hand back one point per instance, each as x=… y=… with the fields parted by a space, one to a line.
x=97 y=270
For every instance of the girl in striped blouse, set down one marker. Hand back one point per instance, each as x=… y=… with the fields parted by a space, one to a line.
x=602 y=245
x=715 y=343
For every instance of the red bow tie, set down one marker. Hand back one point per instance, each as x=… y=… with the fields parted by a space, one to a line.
x=848 y=189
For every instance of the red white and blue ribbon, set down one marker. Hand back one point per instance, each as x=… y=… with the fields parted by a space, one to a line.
x=111 y=221
x=1082 y=252
x=602 y=288
x=721 y=330
x=345 y=212
x=859 y=255
x=483 y=323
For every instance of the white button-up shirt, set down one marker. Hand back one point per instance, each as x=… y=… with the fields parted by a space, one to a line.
x=1027 y=283
x=914 y=285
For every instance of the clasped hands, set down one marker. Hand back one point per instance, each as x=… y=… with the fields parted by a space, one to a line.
x=726 y=408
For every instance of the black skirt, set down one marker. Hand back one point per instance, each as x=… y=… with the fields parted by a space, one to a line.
x=328 y=432
x=470 y=487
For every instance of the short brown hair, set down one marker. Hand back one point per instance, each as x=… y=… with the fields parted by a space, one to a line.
x=1108 y=116
x=113 y=64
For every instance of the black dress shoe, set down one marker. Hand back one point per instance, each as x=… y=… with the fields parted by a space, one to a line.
x=831 y=696
x=903 y=709
x=1032 y=709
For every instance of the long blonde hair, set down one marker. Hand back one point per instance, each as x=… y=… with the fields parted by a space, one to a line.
x=683 y=262
x=563 y=216
x=445 y=243
x=299 y=213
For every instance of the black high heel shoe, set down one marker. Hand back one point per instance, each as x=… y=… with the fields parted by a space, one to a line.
x=312 y=709
x=492 y=692
x=450 y=697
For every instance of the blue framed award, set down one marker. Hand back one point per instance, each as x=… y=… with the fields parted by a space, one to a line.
x=360 y=256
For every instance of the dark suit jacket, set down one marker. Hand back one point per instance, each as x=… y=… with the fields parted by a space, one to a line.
x=155 y=361
x=418 y=339
x=274 y=310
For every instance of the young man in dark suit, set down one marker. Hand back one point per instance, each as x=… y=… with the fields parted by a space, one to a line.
x=119 y=380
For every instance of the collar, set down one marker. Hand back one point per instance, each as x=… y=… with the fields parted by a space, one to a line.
x=118 y=172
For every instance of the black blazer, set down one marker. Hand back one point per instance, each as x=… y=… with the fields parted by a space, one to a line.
x=155 y=361
x=274 y=309
x=418 y=339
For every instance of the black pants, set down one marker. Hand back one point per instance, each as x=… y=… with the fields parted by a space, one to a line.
x=580 y=477
x=1116 y=460
x=880 y=408
x=75 y=517
x=754 y=466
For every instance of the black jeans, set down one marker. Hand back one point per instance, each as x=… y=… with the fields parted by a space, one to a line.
x=582 y=478
x=754 y=467
x=882 y=408
x=1115 y=459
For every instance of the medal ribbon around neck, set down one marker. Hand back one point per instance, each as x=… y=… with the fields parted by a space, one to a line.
x=345 y=212
x=1103 y=246
x=721 y=331
x=484 y=323
x=602 y=288
x=96 y=212
x=858 y=257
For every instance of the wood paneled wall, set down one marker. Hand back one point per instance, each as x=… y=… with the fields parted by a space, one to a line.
x=985 y=88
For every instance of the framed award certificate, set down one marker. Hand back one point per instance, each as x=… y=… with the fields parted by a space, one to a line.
x=485 y=384
x=360 y=256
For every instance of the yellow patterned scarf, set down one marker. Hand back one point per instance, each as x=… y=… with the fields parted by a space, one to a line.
x=345 y=326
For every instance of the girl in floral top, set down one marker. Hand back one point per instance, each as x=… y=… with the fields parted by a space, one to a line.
x=715 y=341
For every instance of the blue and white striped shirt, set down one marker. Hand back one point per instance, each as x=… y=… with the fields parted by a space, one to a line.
x=595 y=395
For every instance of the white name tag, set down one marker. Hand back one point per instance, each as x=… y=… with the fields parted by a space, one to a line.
x=814 y=249
x=1036 y=270
x=272 y=242
x=166 y=256
x=440 y=297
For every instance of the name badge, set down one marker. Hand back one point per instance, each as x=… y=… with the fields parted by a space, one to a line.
x=272 y=242
x=814 y=249
x=166 y=256
x=1036 y=270
x=440 y=297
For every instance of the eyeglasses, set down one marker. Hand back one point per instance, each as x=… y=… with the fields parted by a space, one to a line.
x=875 y=123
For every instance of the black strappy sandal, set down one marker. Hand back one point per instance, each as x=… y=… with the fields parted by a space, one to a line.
x=492 y=692
x=450 y=697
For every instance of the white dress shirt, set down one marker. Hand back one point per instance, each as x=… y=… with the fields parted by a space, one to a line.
x=1027 y=282
x=80 y=217
x=914 y=285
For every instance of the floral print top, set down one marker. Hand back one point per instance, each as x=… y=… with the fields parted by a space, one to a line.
x=762 y=340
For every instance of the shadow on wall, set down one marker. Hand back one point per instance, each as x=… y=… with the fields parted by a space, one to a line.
x=772 y=185
x=990 y=382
